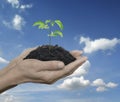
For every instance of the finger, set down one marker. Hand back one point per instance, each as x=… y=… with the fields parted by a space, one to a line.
x=52 y=65
x=26 y=52
x=76 y=53
x=45 y=65
x=19 y=58
x=52 y=76
x=70 y=68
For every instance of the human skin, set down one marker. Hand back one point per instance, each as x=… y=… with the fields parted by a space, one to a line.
x=20 y=71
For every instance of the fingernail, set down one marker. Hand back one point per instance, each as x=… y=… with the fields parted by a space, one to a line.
x=82 y=59
x=60 y=65
x=81 y=52
x=85 y=58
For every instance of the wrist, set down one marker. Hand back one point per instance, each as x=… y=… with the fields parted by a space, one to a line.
x=13 y=76
x=9 y=79
x=7 y=68
x=3 y=71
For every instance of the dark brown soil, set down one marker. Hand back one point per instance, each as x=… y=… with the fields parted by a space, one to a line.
x=49 y=52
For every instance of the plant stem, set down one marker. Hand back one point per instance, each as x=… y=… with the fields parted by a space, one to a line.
x=49 y=40
x=49 y=43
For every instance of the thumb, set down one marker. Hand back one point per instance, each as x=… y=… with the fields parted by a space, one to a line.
x=53 y=65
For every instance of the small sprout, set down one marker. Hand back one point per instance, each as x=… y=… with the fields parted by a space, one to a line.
x=56 y=33
x=47 y=21
x=41 y=25
x=47 y=26
x=59 y=23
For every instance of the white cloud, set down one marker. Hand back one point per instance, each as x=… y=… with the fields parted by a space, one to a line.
x=23 y=7
x=102 y=86
x=98 y=44
x=80 y=82
x=14 y=3
x=82 y=70
x=76 y=80
x=74 y=83
x=17 y=23
x=98 y=82
x=101 y=89
x=111 y=85
x=4 y=61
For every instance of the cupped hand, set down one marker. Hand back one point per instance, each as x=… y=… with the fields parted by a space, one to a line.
x=36 y=71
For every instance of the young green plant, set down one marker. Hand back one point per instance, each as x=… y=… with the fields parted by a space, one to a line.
x=47 y=25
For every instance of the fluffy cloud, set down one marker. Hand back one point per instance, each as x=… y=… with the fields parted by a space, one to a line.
x=102 y=86
x=17 y=23
x=101 y=89
x=80 y=82
x=82 y=70
x=14 y=3
x=74 y=83
x=77 y=80
x=98 y=82
x=111 y=85
x=23 y=7
x=2 y=60
x=98 y=44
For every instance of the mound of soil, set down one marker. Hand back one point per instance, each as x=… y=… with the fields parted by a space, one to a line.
x=49 y=52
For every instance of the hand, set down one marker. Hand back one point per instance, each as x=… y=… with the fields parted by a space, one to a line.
x=32 y=70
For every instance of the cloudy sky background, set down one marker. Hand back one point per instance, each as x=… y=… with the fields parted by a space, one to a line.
x=89 y=25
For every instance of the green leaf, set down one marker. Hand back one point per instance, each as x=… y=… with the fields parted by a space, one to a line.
x=41 y=25
x=59 y=23
x=47 y=21
x=56 y=33
x=45 y=26
x=38 y=23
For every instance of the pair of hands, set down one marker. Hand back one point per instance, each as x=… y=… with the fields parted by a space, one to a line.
x=31 y=70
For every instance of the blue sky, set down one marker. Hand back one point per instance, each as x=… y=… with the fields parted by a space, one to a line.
x=89 y=25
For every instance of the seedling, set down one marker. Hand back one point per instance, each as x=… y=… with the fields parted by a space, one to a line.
x=48 y=25
x=50 y=52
